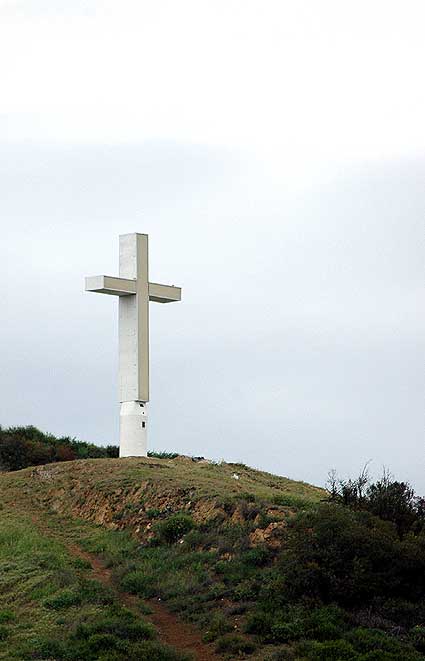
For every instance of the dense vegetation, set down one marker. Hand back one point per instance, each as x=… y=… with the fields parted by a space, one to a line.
x=387 y=498
x=28 y=446
x=345 y=584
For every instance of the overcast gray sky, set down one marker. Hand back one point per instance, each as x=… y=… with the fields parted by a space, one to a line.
x=275 y=154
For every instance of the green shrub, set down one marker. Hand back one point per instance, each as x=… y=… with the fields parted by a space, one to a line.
x=417 y=637
x=249 y=497
x=81 y=563
x=289 y=500
x=63 y=599
x=218 y=590
x=387 y=498
x=6 y=616
x=160 y=454
x=153 y=513
x=282 y=631
x=403 y=613
x=337 y=555
x=367 y=640
x=218 y=626
x=105 y=641
x=151 y=650
x=194 y=539
x=140 y=582
x=174 y=528
x=257 y=557
x=282 y=654
x=326 y=623
x=93 y=592
x=119 y=637
x=239 y=569
x=28 y=446
x=121 y=624
x=4 y=632
x=335 y=650
x=260 y=623
x=295 y=622
x=246 y=590
x=234 y=644
x=47 y=648
x=380 y=655
x=360 y=645
x=88 y=591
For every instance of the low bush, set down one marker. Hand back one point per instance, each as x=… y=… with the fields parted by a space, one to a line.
x=160 y=454
x=116 y=635
x=257 y=557
x=289 y=500
x=219 y=625
x=153 y=513
x=387 y=649
x=417 y=638
x=234 y=644
x=282 y=654
x=295 y=622
x=335 y=650
x=367 y=640
x=120 y=623
x=63 y=599
x=174 y=528
x=141 y=583
x=87 y=591
x=6 y=615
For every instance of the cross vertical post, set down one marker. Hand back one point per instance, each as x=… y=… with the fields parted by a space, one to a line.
x=134 y=291
x=134 y=320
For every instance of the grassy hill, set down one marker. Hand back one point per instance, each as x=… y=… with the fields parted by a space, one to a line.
x=163 y=559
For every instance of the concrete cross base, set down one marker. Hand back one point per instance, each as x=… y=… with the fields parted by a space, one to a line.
x=133 y=429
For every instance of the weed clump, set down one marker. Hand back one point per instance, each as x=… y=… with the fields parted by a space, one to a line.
x=7 y=615
x=234 y=644
x=219 y=626
x=63 y=599
x=161 y=454
x=114 y=635
x=174 y=528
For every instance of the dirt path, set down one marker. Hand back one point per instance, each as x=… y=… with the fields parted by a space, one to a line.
x=182 y=636
x=172 y=631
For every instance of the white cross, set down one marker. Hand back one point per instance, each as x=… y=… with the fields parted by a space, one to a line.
x=134 y=291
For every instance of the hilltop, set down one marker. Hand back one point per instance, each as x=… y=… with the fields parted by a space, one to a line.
x=131 y=493
x=162 y=558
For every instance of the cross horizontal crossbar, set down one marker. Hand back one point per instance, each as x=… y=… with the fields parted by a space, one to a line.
x=164 y=293
x=105 y=284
